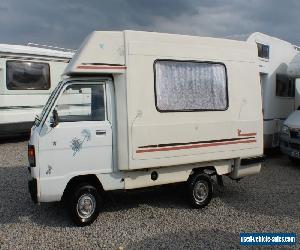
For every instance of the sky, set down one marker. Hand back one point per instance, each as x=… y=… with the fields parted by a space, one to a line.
x=66 y=23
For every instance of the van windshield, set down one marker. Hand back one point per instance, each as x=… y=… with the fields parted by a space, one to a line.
x=39 y=117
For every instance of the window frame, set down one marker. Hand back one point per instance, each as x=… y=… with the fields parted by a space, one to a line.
x=28 y=89
x=190 y=110
x=81 y=83
x=293 y=85
x=263 y=45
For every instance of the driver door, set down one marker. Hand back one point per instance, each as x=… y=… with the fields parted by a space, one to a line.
x=81 y=142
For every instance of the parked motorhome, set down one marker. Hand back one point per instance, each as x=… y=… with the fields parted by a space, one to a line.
x=28 y=74
x=277 y=84
x=158 y=109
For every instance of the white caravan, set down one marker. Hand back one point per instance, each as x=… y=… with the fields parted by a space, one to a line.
x=277 y=84
x=151 y=109
x=27 y=76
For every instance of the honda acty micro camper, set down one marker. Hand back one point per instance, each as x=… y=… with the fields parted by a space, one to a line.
x=139 y=109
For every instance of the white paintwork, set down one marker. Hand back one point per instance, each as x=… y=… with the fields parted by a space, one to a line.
x=129 y=56
x=284 y=58
x=33 y=100
x=105 y=48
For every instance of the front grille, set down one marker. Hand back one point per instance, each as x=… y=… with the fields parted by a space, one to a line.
x=295 y=134
x=285 y=144
x=295 y=146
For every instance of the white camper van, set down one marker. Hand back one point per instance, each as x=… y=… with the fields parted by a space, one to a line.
x=28 y=74
x=277 y=84
x=151 y=109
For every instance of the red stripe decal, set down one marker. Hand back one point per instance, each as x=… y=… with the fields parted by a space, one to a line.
x=245 y=134
x=193 y=146
x=100 y=67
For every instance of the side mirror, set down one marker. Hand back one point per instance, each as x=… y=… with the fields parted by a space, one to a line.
x=54 y=119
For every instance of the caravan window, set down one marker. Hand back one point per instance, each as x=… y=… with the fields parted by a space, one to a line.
x=25 y=75
x=263 y=50
x=190 y=86
x=285 y=86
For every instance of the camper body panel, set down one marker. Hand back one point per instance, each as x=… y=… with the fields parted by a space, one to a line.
x=148 y=126
x=109 y=46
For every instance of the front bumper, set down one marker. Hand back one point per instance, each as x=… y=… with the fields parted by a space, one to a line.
x=290 y=146
x=32 y=186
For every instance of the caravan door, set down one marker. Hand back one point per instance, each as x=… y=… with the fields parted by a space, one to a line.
x=263 y=83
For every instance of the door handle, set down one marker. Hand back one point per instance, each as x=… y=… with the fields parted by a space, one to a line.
x=100 y=132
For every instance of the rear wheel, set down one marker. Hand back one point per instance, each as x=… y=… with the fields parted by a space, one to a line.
x=84 y=204
x=200 y=190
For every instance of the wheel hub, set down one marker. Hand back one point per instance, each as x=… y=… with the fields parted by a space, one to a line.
x=200 y=191
x=86 y=205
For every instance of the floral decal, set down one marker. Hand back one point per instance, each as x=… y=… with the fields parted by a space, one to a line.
x=49 y=170
x=76 y=143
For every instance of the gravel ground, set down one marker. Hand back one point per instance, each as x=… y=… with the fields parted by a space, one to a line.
x=158 y=218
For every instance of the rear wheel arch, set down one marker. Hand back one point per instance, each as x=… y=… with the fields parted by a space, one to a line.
x=210 y=170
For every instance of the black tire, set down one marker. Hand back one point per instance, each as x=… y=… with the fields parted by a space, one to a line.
x=84 y=194
x=200 y=190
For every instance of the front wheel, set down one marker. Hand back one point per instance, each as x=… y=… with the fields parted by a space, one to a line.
x=84 y=204
x=200 y=190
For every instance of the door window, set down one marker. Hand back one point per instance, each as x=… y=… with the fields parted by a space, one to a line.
x=82 y=102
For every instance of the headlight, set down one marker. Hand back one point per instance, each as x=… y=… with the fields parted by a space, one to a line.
x=285 y=130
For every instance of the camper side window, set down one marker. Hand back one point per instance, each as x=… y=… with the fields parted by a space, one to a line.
x=190 y=86
x=285 y=86
x=263 y=50
x=22 y=75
